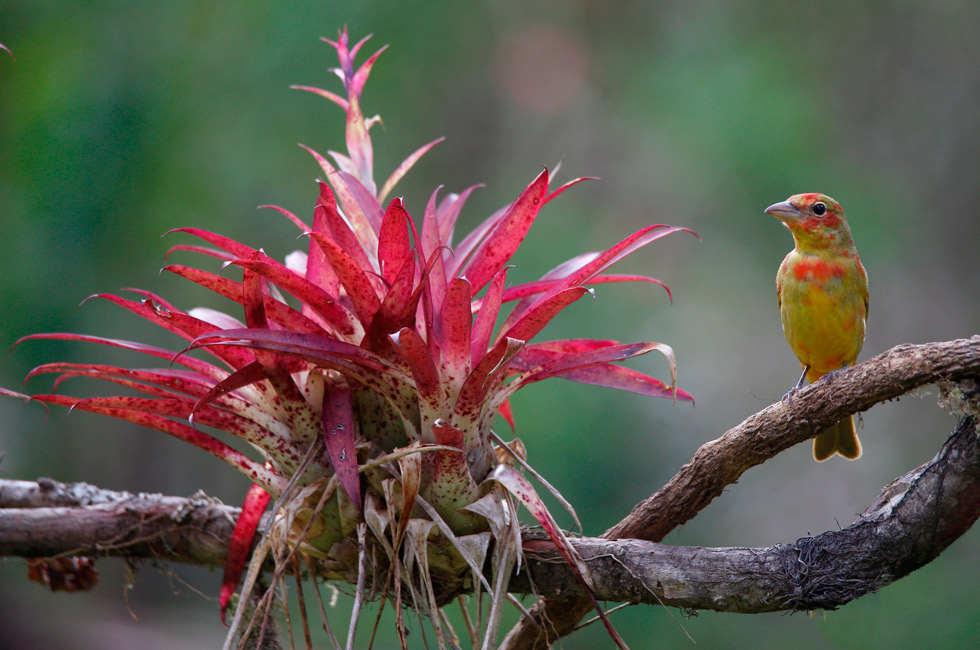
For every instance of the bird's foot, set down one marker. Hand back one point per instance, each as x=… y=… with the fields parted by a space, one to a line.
x=832 y=373
x=788 y=397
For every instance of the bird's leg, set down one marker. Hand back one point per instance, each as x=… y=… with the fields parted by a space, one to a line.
x=788 y=397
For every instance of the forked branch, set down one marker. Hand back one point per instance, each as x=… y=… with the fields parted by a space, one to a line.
x=721 y=462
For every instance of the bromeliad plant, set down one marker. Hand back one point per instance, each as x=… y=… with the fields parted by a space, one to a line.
x=371 y=404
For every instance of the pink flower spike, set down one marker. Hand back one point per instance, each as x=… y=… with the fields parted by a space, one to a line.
x=256 y=501
x=334 y=97
x=359 y=144
x=362 y=74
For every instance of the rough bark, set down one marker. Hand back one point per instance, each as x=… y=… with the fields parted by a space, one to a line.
x=721 y=462
x=907 y=526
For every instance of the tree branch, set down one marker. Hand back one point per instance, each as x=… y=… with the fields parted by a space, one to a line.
x=721 y=462
x=910 y=524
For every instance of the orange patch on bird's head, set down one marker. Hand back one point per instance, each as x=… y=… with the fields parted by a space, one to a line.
x=816 y=220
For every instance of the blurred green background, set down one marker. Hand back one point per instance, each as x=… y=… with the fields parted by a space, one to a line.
x=120 y=120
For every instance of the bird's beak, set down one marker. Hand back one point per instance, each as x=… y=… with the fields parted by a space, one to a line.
x=784 y=211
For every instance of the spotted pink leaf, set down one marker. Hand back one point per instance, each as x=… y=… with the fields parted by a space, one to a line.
x=240 y=546
x=507 y=235
x=338 y=432
x=394 y=246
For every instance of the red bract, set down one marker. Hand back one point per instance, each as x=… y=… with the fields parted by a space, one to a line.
x=393 y=353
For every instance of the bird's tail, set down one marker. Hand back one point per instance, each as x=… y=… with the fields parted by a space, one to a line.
x=840 y=438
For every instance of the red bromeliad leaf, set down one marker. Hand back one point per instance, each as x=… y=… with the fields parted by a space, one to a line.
x=366 y=201
x=518 y=485
x=416 y=353
x=583 y=268
x=574 y=181
x=520 y=291
x=403 y=168
x=625 y=379
x=396 y=311
x=462 y=253
x=327 y=214
x=318 y=269
x=275 y=446
x=244 y=376
x=338 y=432
x=202 y=250
x=253 y=470
x=528 y=326
x=256 y=501
x=359 y=221
x=360 y=289
x=471 y=405
x=196 y=365
x=184 y=325
x=169 y=383
x=394 y=246
x=635 y=241
x=507 y=235
x=559 y=364
x=357 y=363
x=601 y=374
x=298 y=414
x=224 y=243
x=334 y=315
x=507 y=414
x=449 y=213
x=299 y=223
x=276 y=310
x=158 y=382
x=486 y=318
x=431 y=247
x=456 y=320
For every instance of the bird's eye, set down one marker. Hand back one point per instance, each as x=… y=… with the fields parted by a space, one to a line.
x=819 y=209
